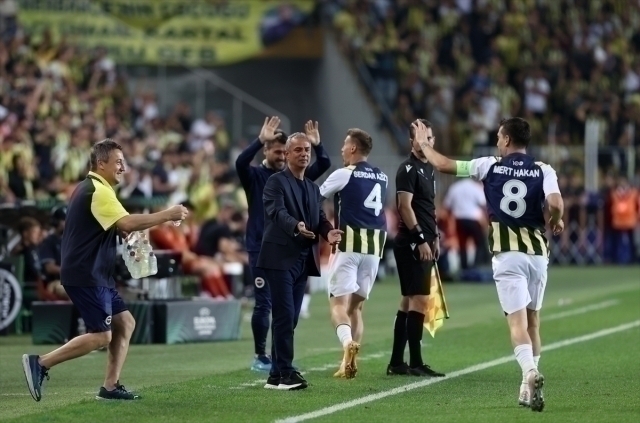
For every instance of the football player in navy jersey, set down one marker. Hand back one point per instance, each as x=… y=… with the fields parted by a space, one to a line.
x=359 y=191
x=516 y=187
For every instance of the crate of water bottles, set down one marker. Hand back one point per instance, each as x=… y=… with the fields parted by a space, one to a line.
x=139 y=257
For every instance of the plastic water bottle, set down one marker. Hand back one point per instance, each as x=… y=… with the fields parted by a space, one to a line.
x=125 y=255
x=139 y=257
x=145 y=249
x=153 y=264
x=136 y=268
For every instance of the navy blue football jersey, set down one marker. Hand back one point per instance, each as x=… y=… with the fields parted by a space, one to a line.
x=360 y=194
x=516 y=187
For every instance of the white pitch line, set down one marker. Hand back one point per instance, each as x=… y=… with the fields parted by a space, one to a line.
x=23 y=394
x=476 y=368
x=556 y=316
x=323 y=368
x=581 y=310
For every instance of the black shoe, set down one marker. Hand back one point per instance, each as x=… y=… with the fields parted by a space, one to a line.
x=34 y=373
x=292 y=382
x=119 y=393
x=272 y=382
x=424 y=370
x=401 y=369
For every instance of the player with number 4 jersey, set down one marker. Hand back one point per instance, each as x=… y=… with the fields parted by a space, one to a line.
x=359 y=191
x=516 y=187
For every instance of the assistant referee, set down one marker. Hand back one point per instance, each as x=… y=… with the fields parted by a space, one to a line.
x=94 y=215
x=415 y=249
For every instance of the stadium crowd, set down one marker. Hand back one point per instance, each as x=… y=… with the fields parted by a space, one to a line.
x=467 y=63
x=464 y=64
x=57 y=100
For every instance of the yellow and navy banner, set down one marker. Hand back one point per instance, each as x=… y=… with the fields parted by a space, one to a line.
x=153 y=32
x=436 y=309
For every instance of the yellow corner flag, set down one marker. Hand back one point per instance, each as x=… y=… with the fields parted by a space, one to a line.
x=436 y=309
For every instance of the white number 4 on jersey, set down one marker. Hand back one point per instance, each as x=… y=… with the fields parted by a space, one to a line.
x=374 y=200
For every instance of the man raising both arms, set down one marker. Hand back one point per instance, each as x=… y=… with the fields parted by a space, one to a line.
x=516 y=187
x=253 y=178
x=88 y=260
x=360 y=195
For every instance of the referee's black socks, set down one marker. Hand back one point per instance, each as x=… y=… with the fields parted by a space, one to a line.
x=399 y=339
x=415 y=322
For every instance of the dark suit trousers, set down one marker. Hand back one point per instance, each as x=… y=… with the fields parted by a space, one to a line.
x=287 y=289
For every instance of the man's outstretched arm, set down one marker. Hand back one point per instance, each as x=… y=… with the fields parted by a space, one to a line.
x=476 y=168
x=441 y=163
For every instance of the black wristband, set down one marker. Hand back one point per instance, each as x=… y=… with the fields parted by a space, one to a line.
x=417 y=236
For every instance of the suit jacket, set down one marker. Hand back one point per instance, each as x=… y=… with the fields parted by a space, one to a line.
x=283 y=210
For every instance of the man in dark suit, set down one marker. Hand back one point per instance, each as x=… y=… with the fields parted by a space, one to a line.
x=294 y=220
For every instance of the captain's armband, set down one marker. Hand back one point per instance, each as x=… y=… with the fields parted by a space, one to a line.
x=463 y=168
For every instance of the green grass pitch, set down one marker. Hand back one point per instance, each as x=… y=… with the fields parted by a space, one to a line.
x=592 y=377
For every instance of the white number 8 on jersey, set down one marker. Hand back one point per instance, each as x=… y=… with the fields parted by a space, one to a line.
x=514 y=191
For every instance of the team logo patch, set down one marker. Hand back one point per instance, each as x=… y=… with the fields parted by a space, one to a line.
x=10 y=298
x=259 y=282
x=108 y=320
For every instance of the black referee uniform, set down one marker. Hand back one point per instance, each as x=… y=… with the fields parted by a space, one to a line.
x=415 y=177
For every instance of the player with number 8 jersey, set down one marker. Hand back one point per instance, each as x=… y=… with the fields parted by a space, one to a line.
x=360 y=192
x=516 y=187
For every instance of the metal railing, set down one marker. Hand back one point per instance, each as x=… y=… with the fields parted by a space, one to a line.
x=203 y=90
x=577 y=245
x=386 y=115
x=240 y=100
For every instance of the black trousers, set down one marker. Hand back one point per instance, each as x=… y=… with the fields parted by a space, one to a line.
x=287 y=290
x=465 y=229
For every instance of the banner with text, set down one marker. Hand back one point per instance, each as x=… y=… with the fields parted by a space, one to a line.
x=152 y=32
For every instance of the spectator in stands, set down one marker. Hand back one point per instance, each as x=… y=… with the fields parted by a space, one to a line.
x=6 y=196
x=557 y=63
x=21 y=179
x=624 y=218
x=162 y=185
x=8 y=22
x=466 y=202
x=202 y=133
x=608 y=186
x=448 y=241
x=575 y=213
x=183 y=239
x=30 y=232
x=218 y=237
x=50 y=256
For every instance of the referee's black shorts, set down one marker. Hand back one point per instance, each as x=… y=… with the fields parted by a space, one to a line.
x=414 y=274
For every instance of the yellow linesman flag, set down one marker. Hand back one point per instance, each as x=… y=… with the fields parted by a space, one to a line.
x=436 y=309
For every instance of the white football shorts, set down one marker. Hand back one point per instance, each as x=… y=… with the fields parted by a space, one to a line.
x=520 y=280
x=353 y=273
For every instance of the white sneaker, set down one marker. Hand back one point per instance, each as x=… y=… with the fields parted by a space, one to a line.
x=535 y=382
